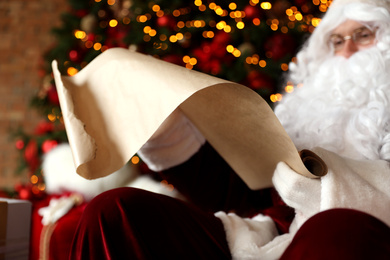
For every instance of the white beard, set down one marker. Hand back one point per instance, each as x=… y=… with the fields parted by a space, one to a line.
x=344 y=107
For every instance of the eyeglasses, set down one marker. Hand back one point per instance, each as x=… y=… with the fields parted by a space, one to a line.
x=361 y=36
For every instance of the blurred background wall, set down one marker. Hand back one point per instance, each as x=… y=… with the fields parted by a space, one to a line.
x=24 y=36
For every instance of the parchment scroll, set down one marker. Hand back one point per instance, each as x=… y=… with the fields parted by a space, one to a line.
x=118 y=101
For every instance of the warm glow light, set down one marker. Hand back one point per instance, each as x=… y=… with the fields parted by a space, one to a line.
x=52 y=117
x=41 y=186
x=176 y=13
x=192 y=61
x=284 y=66
x=289 y=88
x=202 y=8
x=186 y=59
x=198 y=2
x=266 y=5
x=147 y=29
x=173 y=38
x=219 y=11
x=179 y=36
x=113 y=23
x=227 y=29
x=156 y=8
x=198 y=23
x=256 y=21
x=212 y=6
x=135 y=159
x=262 y=63
x=110 y=2
x=240 y=25
x=232 y=6
x=236 y=53
x=181 y=24
x=163 y=37
x=89 y=44
x=160 y=13
x=126 y=20
x=97 y=46
x=80 y=34
x=221 y=25
x=142 y=18
x=315 y=21
x=230 y=48
x=71 y=71
x=152 y=33
x=299 y=16
x=276 y=97
x=34 y=179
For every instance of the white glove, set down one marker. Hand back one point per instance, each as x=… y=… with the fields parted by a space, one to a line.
x=297 y=191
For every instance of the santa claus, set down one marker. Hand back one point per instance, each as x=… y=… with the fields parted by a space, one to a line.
x=340 y=110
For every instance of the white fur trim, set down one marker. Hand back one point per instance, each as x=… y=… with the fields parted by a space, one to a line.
x=60 y=175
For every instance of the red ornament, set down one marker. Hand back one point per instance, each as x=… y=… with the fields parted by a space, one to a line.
x=52 y=96
x=279 y=45
x=19 y=144
x=80 y=13
x=73 y=55
x=166 y=21
x=31 y=155
x=252 y=12
x=48 y=145
x=44 y=127
x=257 y=80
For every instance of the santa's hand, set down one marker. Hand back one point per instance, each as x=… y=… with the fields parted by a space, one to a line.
x=299 y=192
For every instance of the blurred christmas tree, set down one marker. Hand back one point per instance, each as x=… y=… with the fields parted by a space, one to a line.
x=246 y=41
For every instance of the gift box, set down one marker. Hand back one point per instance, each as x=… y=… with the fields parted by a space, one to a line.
x=15 y=222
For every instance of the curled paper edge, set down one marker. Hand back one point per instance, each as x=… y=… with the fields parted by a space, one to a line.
x=118 y=101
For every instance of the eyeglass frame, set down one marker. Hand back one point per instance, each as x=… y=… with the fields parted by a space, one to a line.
x=352 y=37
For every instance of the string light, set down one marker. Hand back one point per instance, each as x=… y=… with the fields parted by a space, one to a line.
x=232 y=6
x=97 y=46
x=266 y=5
x=240 y=25
x=80 y=34
x=256 y=21
x=276 y=97
x=284 y=66
x=289 y=88
x=72 y=71
x=113 y=23
x=135 y=159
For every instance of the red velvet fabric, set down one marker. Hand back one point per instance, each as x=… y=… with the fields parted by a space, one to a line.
x=340 y=234
x=208 y=182
x=128 y=223
x=58 y=243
